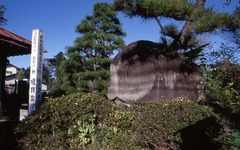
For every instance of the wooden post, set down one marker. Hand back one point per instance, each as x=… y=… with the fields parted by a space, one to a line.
x=3 y=62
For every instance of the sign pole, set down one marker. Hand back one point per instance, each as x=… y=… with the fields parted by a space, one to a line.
x=35 y=82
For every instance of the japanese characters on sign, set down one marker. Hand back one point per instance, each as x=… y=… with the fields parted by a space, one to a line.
x=35 y=85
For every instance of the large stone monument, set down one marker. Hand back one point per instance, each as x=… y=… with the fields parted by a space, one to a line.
x=145 y=71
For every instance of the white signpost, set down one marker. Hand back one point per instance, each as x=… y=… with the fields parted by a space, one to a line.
x=35 y=83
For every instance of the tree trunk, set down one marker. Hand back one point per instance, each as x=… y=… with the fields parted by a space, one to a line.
x=188 y=26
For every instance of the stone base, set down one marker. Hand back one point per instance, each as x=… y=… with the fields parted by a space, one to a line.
x=23 y=112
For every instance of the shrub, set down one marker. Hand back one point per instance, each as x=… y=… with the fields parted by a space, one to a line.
x=64 y=122
x=223 y=85
x=223 y=95
x=232 y=141
x=89 y=121
x=77 y=121
x=175 y=125
x=118 y=133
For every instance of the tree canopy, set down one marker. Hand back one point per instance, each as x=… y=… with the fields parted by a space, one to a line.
x=101 y=33
x=88 y=60
x=196 y=17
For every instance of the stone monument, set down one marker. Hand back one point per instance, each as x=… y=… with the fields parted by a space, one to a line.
x=147 y=71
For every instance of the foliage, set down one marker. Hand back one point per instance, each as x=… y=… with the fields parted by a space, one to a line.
x=223 y=84
x=222 y=93
x=64 y=122
x=101 y=35
x=175 y=125
x=21 y=75
x=77 y=121
x=89 y=121
x=3 y=20
x=197 y=19
x=117 y=133
x=53 y=70
x=230 y=49
x=232 y=141
x=91 y=80
x=47 y=77
x=227 y=52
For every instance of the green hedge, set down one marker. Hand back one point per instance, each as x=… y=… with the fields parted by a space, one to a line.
x=52 y=125
x=89 y=121
x=177 y=125
x=76 y=121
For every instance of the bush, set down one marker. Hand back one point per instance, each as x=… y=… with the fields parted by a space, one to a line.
x=177 y=124
x=223 y=86
x=232 y=141
x=60 y=121
x=76 y=121
x=223 y=95
x=89 y=121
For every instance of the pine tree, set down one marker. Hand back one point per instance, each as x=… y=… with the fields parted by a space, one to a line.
x=196 y=17
x=87 y=66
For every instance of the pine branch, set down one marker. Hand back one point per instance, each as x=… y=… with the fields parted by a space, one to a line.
x=188 y=27
x=161 y=26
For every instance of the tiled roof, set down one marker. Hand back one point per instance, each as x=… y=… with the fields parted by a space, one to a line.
x=13 y=44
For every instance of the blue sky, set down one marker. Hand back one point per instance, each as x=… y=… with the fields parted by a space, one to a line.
x=58 y=19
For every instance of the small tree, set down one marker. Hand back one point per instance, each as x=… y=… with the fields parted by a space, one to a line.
x=86 y=68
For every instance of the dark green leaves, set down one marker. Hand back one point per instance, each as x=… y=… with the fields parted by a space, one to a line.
x=101 y=32
x=88 y=60
x=176 y=9
x=193 y=16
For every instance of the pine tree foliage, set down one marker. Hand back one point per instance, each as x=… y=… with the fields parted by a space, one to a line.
x=3 y=20
x=101 y=33
x=88 y=60
x=196 y=17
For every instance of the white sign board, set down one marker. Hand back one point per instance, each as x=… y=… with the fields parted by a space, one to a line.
x=35 y=83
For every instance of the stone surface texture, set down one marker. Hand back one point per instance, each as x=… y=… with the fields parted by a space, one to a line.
x=145 y=71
